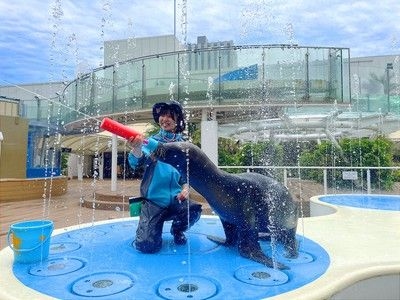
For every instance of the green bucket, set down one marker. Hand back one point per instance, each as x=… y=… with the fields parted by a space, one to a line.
x=30 y=240
x=135 y=206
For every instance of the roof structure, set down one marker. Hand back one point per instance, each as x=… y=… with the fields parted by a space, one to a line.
x=257 y=124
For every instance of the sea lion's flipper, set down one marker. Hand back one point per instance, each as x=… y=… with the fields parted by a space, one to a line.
x=291 y=245
x=249 y=247
x=291 y=251
x=260 y=257
x=230 y=234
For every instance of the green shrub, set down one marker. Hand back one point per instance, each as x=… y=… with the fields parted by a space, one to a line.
x=363 y=152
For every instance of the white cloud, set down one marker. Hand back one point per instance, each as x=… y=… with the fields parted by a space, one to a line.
x=42 y=39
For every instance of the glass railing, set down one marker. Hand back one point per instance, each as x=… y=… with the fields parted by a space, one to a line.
x=240 y=75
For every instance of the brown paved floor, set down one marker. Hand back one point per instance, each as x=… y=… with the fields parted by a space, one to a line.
x=67 y=210
x=64 y=210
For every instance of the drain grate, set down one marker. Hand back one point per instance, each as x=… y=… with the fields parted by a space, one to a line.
x=302 y=258
x=58 y=266
x=102 y=284
x=261 y=276
x=193 y=287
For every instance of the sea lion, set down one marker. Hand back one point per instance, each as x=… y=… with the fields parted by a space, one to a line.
x=249 y=205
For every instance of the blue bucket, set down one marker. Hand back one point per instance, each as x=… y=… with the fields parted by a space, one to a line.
x=30 y=240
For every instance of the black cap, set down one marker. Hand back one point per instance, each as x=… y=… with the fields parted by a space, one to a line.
x=173 y=106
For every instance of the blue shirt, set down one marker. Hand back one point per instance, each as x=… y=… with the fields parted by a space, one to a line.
x=161 y=182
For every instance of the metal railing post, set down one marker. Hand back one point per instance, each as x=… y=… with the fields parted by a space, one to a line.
x=368 y=181
x=285 y=177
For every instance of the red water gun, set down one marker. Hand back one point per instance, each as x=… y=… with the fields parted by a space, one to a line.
x=128 y=132
x=118 y=128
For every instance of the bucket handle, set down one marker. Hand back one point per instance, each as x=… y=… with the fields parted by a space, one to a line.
x=24 y=250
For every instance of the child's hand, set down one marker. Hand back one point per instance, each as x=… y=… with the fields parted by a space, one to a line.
x=136 y=145
x=184 y=194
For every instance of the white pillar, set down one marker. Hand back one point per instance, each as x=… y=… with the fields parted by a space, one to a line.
x=114 y=156
x=209 y=136
x=101 y=166
x=1 y=141
x=79 y=162
x=72 y=165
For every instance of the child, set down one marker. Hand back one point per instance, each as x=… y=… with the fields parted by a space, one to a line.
x=164 y=190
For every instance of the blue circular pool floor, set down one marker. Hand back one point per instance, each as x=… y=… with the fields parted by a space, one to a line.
x=379 y=202
x=100 y=262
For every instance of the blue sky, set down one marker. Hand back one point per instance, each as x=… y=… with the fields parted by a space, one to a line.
x=52 y=40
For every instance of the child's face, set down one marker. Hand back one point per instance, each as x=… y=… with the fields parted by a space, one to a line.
x=167 y=122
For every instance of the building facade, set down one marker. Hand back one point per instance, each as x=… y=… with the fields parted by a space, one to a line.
x=218 y=82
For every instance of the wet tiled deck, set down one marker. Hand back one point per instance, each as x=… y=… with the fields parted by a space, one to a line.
x=66 y=210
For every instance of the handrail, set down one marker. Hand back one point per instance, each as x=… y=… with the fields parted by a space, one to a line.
x=305 y=167
x=324 y=168
x=137 y=87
